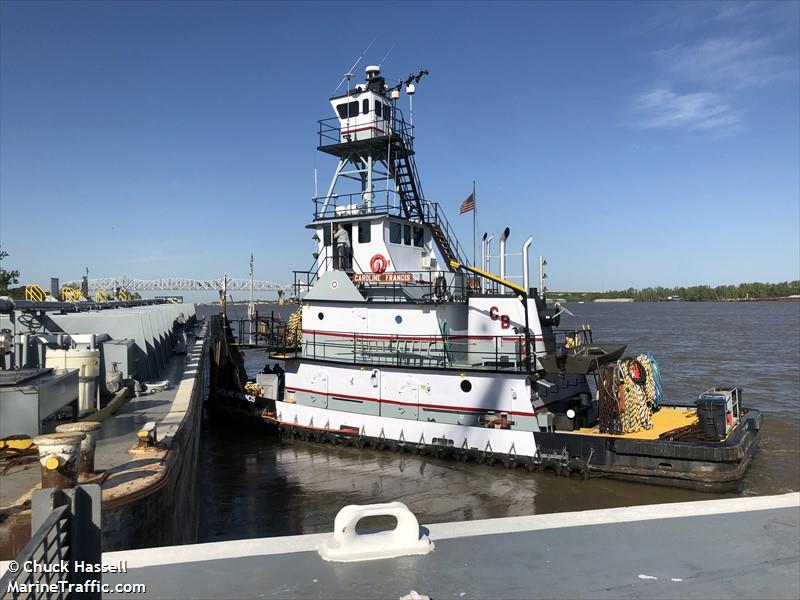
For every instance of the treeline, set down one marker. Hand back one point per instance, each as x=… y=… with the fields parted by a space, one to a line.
x=697 y=293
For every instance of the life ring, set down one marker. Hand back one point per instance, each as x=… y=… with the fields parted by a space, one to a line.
x=378 y=263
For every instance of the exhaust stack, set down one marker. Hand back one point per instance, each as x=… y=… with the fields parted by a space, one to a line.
x=526 y=264
x=503 y=240
x=483 y=259
x=488 y=266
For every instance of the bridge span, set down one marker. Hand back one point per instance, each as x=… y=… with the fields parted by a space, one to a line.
x=184 y=284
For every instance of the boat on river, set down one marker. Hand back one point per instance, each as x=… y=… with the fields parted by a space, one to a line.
x=400 y=342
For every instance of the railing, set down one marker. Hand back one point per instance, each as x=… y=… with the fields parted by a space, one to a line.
x=330 y=130
x=304 y=280
x=432 y=213
x=350 y=205
x=488 y=353
x=262 y=331
x=572 y=338
x=424 y=287
x=68 y=532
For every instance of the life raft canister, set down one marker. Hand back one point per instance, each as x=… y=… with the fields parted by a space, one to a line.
x=378 y=263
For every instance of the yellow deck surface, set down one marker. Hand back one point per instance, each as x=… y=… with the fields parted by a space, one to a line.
x=666 y=419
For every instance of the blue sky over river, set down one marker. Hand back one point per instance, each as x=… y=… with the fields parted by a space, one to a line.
x=640 y=143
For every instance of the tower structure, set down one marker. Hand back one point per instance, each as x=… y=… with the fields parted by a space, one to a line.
x=375 y=193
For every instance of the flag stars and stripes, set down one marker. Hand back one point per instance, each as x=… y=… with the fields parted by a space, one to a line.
x=467 y=205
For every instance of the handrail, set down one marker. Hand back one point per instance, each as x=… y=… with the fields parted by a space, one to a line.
x=69 y=533
x=330 y=129
x=489 y=353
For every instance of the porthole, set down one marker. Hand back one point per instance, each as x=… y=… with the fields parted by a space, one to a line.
x=466 y=386
x=320 y=316
x=398 y=319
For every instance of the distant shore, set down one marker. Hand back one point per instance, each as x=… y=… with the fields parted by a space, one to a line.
x=628 y=300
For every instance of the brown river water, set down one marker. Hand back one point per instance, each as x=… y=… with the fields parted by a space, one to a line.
x=254 y=485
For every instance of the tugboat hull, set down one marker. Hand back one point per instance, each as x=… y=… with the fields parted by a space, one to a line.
x=707 y=466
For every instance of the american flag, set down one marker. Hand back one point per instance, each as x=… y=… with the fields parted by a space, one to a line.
x=468 y=204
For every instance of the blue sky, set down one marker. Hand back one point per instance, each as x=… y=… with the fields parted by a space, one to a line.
x=639 y=143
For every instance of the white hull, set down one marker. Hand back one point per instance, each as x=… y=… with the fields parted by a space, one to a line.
x=498 y=441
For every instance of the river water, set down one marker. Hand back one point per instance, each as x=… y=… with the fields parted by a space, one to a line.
x=256 y=486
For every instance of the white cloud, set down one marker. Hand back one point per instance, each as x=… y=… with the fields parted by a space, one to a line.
x=737 y=10
x=723 y=50
x=729 y=61
x=701 y=111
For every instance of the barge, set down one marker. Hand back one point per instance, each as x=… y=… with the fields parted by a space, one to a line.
x=400 y=342
x=121 y=375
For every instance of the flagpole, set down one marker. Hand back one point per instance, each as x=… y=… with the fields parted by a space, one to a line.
x=474 y=227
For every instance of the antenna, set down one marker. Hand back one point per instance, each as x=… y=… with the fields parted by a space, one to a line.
x=387 y=54
x=349 y=73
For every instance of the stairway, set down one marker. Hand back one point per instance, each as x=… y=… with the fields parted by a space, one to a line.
x=403 y=169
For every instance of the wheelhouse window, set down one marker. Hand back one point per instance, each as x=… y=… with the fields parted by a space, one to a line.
x=407 y=235
x=419 y=236
x=326 y=236
x=395 y=232
x=365 y=106
x=347 y=109
x=378 y=109
x=364 y=232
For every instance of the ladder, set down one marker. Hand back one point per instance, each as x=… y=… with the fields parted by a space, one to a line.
x=403 y=170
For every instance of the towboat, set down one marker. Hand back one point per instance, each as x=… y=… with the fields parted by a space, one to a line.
x=400 y=342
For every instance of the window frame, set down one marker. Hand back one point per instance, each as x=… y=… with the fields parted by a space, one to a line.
x=398 y=227
x=415 y=229
x=364 y=226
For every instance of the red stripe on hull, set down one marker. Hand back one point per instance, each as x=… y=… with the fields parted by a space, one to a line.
x=420 y=404
x=412 y=338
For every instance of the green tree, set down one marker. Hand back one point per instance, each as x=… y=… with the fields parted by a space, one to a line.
x=6 y=277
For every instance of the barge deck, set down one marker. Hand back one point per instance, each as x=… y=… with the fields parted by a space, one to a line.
x=740 y=547
x=148 y=493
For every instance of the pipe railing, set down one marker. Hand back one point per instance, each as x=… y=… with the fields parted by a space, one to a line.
x=485 y=353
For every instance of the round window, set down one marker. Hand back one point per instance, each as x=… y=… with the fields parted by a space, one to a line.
x=320 y=316
x=465 y=385
x=398 y=319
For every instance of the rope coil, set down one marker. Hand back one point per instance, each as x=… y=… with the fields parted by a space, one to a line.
x=629 y=393
x=294 y=329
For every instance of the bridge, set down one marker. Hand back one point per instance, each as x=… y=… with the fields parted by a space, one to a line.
x=183 y=284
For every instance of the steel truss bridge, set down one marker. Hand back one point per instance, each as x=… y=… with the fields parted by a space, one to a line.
x=183 y=284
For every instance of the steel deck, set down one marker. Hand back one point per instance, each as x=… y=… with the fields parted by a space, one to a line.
x=737 y=548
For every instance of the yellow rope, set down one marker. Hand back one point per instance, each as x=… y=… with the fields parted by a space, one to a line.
x=294 y=329
x=637 y=413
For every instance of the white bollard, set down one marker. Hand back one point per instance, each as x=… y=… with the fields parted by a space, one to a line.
x=90 y=430
x=347 y=545
x=58 y=456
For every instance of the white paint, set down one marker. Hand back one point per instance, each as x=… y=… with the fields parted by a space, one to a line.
x=608 y=516
x=675 y=579
x=412 y=431
x=647 y=577
x=149 y=557
x=499 y=392
x=347 y=545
